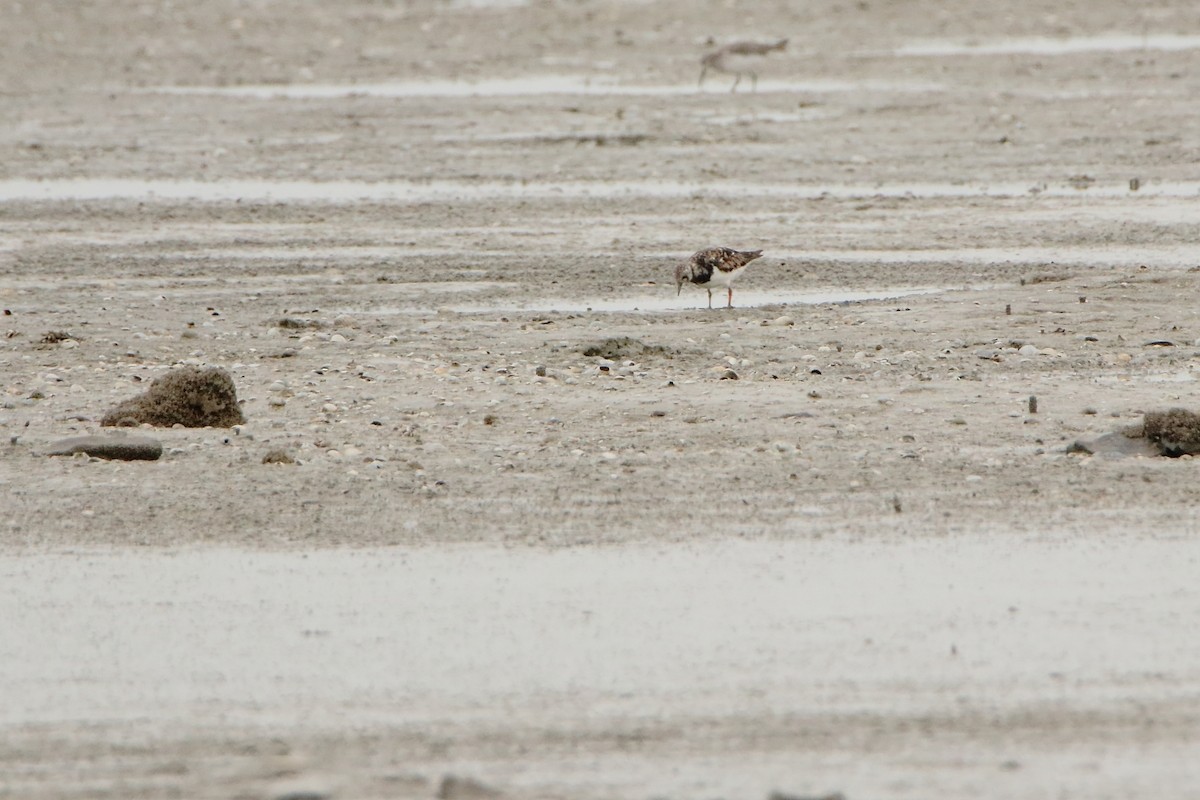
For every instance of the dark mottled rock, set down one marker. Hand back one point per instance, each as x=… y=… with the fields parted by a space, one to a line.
x=194 y=397
x=1176 y=431
x=120 y=448
x=1176 y=424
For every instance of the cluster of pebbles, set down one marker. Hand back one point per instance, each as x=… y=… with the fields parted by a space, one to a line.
x=198 y=397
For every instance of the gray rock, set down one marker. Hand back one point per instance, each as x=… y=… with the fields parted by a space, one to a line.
x=777 y=795
x=303 y=794
x=454 y=787
x=1117 y=444
x=121 y=448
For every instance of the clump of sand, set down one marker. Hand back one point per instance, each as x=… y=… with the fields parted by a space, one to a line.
x=194 y=397
x=1176 y=431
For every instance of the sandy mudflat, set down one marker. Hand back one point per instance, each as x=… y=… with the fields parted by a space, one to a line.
x=862 y=566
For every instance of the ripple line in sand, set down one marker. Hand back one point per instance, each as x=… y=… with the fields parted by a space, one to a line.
x=534 y=85
x=352 y=191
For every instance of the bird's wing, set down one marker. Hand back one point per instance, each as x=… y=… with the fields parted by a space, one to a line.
x=726 y=259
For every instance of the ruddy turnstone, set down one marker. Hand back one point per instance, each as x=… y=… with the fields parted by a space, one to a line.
x=714 y=266
x=738 y=59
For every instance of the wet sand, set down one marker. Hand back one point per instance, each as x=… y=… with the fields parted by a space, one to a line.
x=717 y=669
x=537 y=534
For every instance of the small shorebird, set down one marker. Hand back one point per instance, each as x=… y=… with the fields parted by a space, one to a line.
x=714 y=266
x=738 y=59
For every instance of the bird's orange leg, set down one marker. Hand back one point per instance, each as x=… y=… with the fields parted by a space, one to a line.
x=730 y=297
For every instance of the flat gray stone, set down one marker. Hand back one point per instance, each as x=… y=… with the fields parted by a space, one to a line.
x=120 y=448
x=461 y=788
x=1117 y=445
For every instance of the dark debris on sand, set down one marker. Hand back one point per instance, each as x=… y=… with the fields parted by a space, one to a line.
x=297 y=324
x=622 y=347
x=278 y=456
x=194 y=397
x=57 y=337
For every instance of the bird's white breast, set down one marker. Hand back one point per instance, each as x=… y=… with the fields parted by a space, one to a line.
x=720 y=278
